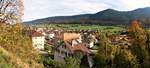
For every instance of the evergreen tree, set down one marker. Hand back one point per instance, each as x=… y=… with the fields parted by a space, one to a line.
x=101 y=58
x=124 y=59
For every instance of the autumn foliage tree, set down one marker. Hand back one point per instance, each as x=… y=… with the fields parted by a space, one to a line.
x=135 y=27
x=11 y=11
x=139 y=46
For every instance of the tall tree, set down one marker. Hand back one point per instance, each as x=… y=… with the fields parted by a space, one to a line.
x=124 y=58
x=11 y=11
x=101 y=58
x=139 y=45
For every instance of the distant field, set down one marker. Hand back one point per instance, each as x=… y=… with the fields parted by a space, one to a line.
x=108 y=29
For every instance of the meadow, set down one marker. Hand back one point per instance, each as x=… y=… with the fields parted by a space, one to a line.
x=78 y=27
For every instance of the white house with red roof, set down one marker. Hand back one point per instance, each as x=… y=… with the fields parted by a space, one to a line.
x=38 y=40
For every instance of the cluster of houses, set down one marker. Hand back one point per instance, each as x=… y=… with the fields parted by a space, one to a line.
x=40 y=37
x=72 y=45
x=64 y=44
x=67 y=44
x=122 y=39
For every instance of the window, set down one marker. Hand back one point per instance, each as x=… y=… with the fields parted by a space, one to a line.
x=66 y=54
x=35 y=45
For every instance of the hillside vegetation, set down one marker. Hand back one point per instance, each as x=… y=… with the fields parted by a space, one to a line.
x=16 y=49
x=106 y=17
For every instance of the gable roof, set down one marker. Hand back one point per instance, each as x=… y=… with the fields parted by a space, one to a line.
x=79 y=47
x=36 y=34
x=49 y=32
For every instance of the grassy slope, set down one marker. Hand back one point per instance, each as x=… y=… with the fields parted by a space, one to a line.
x=16 y=48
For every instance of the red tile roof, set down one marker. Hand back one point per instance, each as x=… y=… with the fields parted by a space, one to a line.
x=36 y=34
x=49 y=32
x=50 y=42
x=78 y=47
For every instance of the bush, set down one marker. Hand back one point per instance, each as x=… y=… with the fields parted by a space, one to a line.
x=19 y=45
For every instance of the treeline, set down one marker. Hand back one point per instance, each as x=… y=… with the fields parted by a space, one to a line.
x=134 y=56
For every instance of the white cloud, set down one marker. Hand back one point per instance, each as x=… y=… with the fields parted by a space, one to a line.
x=133 y=4
x=35 y=9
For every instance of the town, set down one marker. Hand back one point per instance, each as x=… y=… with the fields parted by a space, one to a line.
x=74 y=34
x=67 y=43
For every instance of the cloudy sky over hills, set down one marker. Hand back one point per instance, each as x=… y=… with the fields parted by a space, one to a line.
x=35 y=9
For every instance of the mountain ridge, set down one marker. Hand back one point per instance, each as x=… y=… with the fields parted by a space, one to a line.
x=108 y=16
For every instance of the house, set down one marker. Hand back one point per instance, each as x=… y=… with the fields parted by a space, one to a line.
x=50 y=35
x=93 y=40
x=38 y=40
x=68 y=36
x=72 y=45
x=122 y=39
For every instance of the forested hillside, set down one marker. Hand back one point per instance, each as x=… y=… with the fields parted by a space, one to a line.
x=106 y=17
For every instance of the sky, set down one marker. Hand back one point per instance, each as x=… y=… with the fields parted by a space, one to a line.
x=36 y=9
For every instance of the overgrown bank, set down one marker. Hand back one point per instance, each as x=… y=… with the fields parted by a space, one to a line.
x=16 y=49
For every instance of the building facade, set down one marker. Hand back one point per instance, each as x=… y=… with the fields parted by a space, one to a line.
x=38 y=40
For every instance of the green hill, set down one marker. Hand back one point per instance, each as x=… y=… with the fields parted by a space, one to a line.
x=108 y=16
